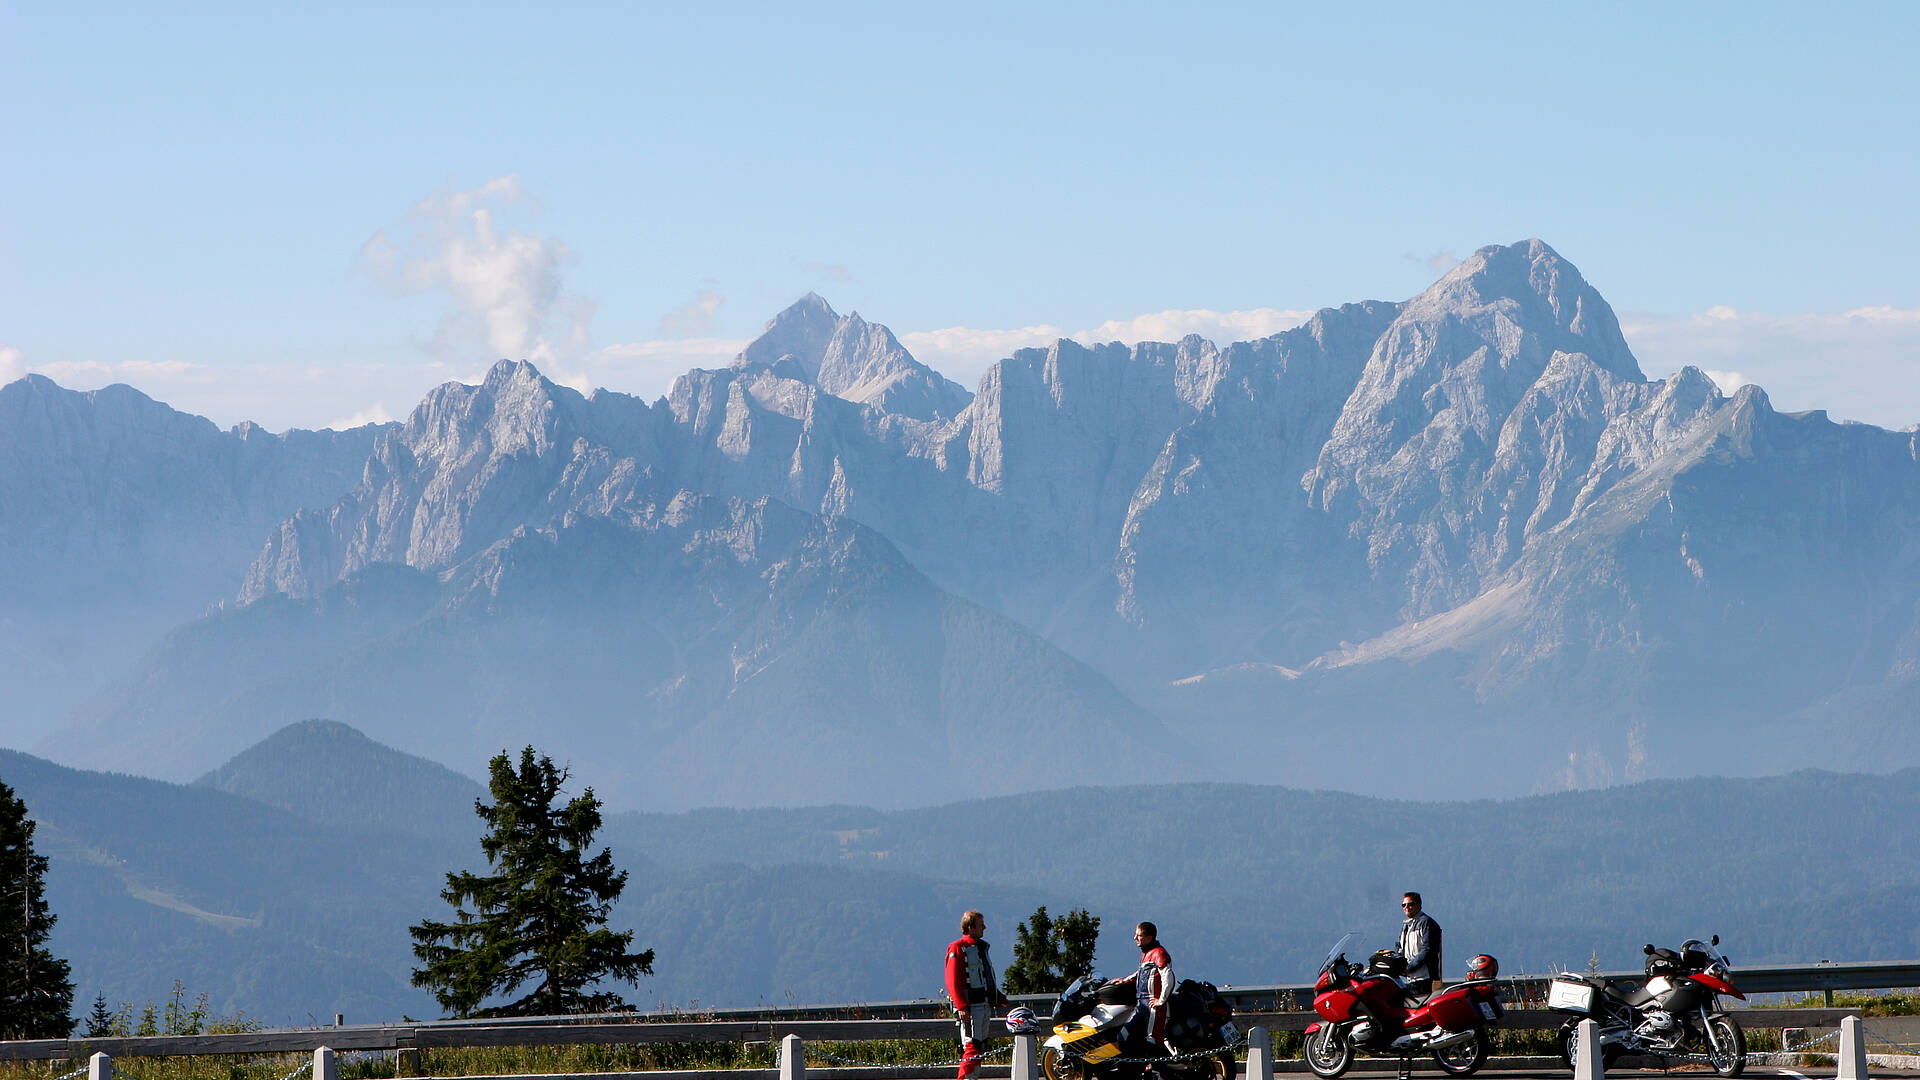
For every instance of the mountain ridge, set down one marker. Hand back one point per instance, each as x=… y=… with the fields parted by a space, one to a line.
x=1471 y=508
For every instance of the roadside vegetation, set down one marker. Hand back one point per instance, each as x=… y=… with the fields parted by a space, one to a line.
x=507 y=1060
x=1872 y=1003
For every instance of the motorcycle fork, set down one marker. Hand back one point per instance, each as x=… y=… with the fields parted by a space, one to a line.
x=1706 y=1028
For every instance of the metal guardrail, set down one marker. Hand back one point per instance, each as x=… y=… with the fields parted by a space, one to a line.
x=1278 y=1007
x=1285 y=997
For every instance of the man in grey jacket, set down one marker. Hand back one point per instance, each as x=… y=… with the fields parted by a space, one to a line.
x=1420 y=944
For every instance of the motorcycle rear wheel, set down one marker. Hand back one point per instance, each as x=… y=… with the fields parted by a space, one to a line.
x=1329 y=1053
x=1466 y=1058
x=1055 y=1065
x=1729 y=1058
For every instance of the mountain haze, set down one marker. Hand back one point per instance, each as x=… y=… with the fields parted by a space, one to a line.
x=1467 y=522
x=807 y=649
x=120 y=518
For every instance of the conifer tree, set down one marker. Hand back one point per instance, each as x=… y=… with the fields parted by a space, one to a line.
x=1050 y=953
x=1032 y=970
x=100 y=1020
x=36 y=990
x=540 y=918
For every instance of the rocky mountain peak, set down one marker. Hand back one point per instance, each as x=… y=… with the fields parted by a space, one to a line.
x=802 y=331
x=515 y=409
x=1529 y=285
x=851 y=358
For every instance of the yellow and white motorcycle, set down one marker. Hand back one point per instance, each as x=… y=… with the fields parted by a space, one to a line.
x=1090 y=1040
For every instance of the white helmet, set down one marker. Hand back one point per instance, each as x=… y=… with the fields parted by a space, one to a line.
x=1021 y=1021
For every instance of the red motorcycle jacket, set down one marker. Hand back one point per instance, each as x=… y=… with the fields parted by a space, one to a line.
x=970 y=977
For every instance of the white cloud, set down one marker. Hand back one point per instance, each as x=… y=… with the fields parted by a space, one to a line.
x=1727 y=381
x=831 y=271
x=647 y=368
x=694 y=317
x=372 y=414
x=136 y=369
x=504 y=288
x=1439 y=262
x=1217 y=326
x=276 y=396
x=13 y=364
x=89 y=374
x=964 y=354
x=1862 y=364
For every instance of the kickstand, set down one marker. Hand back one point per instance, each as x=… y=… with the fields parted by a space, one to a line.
x=1406 y=1067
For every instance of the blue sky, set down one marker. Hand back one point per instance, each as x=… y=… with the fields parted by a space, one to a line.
x=305 y=217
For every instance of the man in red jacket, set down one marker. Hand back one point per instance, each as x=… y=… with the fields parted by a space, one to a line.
x=973 y=988
x=1152 y=986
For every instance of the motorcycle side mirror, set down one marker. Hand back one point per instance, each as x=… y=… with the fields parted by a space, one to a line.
x=1649 y=950
x=1716 y=939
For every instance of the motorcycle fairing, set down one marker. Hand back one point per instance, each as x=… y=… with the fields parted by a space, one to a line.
x=1096 y=1038
x=1717 y=984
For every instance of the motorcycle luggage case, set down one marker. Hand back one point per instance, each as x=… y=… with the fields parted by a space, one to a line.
x=1566 y=995
x=1454 y=1010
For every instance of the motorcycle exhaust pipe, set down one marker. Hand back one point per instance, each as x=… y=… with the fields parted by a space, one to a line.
x=1450 y=1039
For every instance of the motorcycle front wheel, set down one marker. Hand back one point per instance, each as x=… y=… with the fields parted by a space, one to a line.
x=1466 y=1058
x=1726 y=1045
x=1329 y=1052
x=1569 y=1045
x=1055 y=1065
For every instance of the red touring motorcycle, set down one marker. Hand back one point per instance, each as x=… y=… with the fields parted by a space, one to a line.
x=1674 y=1014
x=1367 y=1009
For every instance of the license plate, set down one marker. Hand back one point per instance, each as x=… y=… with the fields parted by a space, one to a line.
x=1228 y=1032
x=1486 y=1010
x=1570 y=996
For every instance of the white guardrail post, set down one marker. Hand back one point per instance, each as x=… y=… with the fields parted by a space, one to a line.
x=1026 y=1065
x=99 y=1067
x=1853 y=1049
x=793 y=1059
x=326 y=1066
x=1586 y=1053
x=1259 y=1054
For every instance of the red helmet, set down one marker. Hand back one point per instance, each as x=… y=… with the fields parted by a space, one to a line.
x=1482 y=967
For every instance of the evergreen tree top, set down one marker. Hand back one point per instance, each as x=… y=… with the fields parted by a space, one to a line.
x=540 y=917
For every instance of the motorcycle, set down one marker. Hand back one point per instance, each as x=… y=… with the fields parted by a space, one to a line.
x=1090 y=1038
x=1676 y=1012
x=1366 y=1008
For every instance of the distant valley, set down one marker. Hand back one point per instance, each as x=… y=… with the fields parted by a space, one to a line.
x=282 y=882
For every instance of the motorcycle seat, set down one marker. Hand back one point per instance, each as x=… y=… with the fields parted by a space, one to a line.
x=1640 y=996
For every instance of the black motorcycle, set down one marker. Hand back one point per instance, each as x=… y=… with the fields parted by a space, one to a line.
x=1675 y=1013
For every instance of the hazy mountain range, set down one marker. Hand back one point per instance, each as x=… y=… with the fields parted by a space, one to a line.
x=282 y=883
x=1460 y=545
